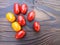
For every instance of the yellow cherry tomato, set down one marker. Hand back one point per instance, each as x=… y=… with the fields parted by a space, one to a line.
x=16 y=26
x=10 y=17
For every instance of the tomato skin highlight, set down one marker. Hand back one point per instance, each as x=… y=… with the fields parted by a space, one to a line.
x=10 y=17
x=31 y=16
x=16 y=26
x=36 y=26
x=24 y=8
x=21 y=20
x=17 y=8
x=20 y=34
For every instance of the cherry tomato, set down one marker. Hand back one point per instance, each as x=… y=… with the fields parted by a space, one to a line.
x=24 y=8
x=16 y=26
x=20 y=34
x=10 y=17
x=36 y=26
x=31 y=16
x=17 y=8
x=21 y=20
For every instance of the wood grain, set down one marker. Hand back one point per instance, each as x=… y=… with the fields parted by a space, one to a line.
x=47 y=13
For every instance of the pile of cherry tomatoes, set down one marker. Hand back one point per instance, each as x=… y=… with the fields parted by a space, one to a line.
x=21 y=10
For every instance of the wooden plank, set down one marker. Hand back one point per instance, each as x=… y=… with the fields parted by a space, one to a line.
x=47 y=13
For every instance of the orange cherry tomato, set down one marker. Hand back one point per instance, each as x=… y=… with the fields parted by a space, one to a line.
x=20 y=34
x=10 y=17
x=24 y=8
x=21 y=20
x=31 y=16
x=36 y=26
x=16 y=26
x=17 y=8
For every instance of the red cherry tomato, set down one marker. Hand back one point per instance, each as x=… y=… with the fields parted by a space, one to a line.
x=24 y=8
x=36 y=26
x=21 y=20
x=20 y=34
x=31 y=16
x=17 y=8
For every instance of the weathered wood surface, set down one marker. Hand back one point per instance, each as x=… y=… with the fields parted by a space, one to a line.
x=47 y=13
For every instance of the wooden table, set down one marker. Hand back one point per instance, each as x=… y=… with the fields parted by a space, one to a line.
x=47 y=13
